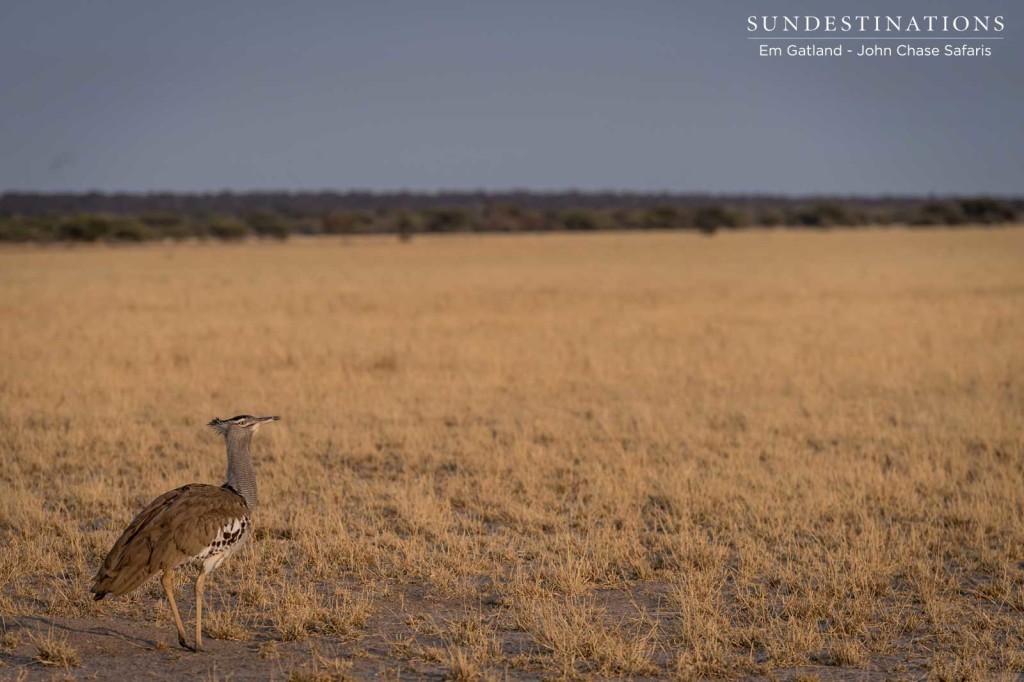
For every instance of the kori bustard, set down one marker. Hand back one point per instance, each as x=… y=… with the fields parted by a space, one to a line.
x=196 y=522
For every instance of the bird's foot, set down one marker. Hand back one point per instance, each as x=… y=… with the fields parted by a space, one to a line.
x=183 y=644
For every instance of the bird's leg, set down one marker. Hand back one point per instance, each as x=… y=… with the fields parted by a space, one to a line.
x=200 y=579
x=167 y=580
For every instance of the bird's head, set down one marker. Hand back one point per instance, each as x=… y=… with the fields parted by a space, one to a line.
x=243 y=422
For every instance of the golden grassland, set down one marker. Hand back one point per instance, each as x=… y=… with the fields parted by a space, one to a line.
x=620 y=455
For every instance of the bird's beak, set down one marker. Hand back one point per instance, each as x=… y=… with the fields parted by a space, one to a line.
x=264 y=420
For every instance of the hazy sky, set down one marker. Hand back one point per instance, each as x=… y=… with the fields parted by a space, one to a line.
x=434 y=94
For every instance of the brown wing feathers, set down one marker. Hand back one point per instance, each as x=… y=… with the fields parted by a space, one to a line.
x=172 y=529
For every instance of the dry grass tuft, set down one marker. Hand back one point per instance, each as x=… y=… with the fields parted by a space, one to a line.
x=462 y=667
x=269 y=650
x=226 y=624
x=9 y=639
x=300 y=613
x=846 y=652
x=321 y=668
x=950 y=668
x=54 y=650
x=580 y=638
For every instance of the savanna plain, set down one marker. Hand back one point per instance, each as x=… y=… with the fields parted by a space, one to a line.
x=769 y=454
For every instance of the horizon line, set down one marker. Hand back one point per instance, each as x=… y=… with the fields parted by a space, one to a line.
x=524 y=190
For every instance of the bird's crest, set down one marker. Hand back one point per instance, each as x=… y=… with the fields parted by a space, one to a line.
x=243 y=421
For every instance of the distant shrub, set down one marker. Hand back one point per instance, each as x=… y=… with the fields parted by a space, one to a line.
x=880 y=216
x=836 y=214
x=406 y=224
x=179 y=231
x=381 y=220
x=937 y=213
x=708 y=219
x=770 y=218
x=346 y=222
x=502 y=218
x=626 y=219
x=579 y=219
x=24 y=230
x=228 y=228
x=161 y=219
x=827 y=214
x=84 y=228
x=533 y=220
x=986 y=210
x=267 y=224
x=445 y=219
x=665 y=218
x=129 y=230
x=335 y=222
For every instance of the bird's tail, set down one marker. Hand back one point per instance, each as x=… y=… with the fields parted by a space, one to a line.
x=117 y=583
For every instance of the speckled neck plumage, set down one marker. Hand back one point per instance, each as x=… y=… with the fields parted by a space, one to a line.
x=241 y=476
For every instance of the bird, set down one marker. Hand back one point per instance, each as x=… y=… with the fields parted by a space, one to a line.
x=197 y=522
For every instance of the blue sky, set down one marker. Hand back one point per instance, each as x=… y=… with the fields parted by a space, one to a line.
x=462 y=95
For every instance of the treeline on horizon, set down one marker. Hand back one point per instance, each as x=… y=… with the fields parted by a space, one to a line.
x=91 y=217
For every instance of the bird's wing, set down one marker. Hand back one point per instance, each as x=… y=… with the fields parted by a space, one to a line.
x=172 y=529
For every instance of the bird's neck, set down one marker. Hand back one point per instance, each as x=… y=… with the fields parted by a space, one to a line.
x=241 y=476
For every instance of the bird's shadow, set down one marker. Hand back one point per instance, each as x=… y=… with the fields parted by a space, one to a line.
x=101 y=630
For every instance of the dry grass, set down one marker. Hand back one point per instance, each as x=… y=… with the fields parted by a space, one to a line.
x=321 y=668
x=616 y=455
x=53 y=649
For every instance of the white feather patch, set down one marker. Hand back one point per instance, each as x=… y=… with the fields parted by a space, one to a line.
x=228 y=538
